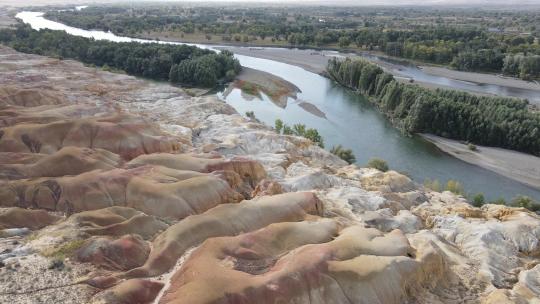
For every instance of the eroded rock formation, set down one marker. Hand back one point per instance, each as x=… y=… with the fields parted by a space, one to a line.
x=118 y=190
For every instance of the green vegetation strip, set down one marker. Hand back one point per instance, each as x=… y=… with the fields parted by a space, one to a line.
x=503 y=41
x=490 y=121
x=175 y=63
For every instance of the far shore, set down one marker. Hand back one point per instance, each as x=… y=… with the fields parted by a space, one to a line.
x=482 y=78
x=315 y=61
x=310 y=60
x=524 y=168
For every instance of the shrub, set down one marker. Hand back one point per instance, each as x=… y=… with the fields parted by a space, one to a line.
x=472 y=147
x=278 y=125
x=299 y=130
x=56 y=264
x=525 y=202
x=434 y=185
x=314 y=136
x=64 y=251
x=251 y=115
x=345 y=154
x=499 y=201
x=287 y=130
x=478 y=200
x=454 y=187
x=378 y=164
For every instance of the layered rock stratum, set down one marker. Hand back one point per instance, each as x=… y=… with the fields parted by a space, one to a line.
x=119 y=190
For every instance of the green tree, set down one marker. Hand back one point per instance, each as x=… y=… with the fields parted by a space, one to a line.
x=278 y=125
x=344 y=42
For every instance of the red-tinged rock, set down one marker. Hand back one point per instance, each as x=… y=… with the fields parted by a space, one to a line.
x=26 y=218
x=125 y=253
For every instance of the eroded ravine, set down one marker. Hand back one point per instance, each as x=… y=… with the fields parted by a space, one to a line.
x=119 y=190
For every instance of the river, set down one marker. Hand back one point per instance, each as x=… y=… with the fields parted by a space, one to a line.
x=350 y=121
x=409 y=70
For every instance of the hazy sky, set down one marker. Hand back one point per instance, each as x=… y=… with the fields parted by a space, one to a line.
x=486 y=3
x=382 y=2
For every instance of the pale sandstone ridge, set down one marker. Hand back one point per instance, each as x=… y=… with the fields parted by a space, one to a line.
x=118 y=190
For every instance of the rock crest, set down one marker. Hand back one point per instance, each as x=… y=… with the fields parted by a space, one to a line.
x=147 y=195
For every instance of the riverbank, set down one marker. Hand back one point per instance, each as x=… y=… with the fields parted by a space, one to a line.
x=310 y=60
x=253 y=82
x=524 y=168
x=166 y=184
x=315 y=61
x=482 y=78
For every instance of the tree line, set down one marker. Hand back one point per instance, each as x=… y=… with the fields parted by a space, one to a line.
x=175 y=63
x=472 y=46
x=485 y=120
x=524 y=67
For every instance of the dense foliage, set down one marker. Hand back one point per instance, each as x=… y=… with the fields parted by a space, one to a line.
x=485 y=120
x=176 y=63
x=471 y=40
x=526 y=67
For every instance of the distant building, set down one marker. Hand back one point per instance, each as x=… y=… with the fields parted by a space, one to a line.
x=494 y=30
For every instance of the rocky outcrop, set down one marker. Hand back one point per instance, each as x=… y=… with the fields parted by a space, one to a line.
x=120 y=134
x=118 y=190
x=157 y=191
x=126 y=252
x=225 y=220
x=25 y=218
x=66 y=161
x=131 y=291
x=301 y=263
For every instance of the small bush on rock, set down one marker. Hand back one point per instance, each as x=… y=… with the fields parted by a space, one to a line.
x=478 y=200
x=434 y=185
x=525 y=202
x=345 y=154
x=454 y=187
x=378 y=164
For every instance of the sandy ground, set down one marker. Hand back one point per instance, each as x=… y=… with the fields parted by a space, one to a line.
x=482 y=78
x=316 y=61
x=276 y=88
x=267 y=80
x=524 y=168
x=313 y=61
